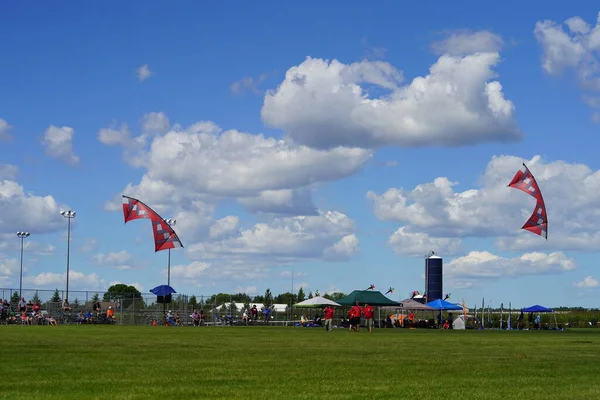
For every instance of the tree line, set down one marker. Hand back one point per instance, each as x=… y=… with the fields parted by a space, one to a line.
x=129 y=296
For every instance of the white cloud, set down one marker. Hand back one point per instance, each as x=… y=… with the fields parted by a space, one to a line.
x=77 y=281
x=237 y=164
x=8 y=171
x=576 y=48
x=116 y=136
x=202 y=164
x=39 y=249
x=24 y=211
x=284 y=241
x=121 y=260
x=417 y=244
x=143 y=72
x=155 y=123
x=343 y=249
x=248 y=83
x=288 y=274
x=249 y=290
x=325 y=104
x=494 y=210
x=482 y=265
x=281 y=202
x=224 y=227
x=9 y=271
x=10 y=242
x=58 y=143
x=464 y=42
x=588 y=282
x=90 y=245
x=5 y=130
x=372 y=52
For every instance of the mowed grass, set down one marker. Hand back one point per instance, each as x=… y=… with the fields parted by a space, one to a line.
x=125 y=362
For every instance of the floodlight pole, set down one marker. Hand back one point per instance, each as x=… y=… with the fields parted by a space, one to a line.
x=170 y=222
x=69 y=215
x=22 y=236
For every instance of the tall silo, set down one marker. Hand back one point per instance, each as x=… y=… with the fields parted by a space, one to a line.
x=434 y=277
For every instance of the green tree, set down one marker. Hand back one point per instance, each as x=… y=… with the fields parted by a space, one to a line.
x=193 y=302
x=317 y=293
x=55 y=297
x=268 y=301
x=76 y=303
x=334 y=296
x=310 y=295
x=240 y=298
x=258 y=299
x=15 y=298
x=285 y=298
x=301 y=296
x=95 y=298
x=128 y=295
x=337 y=295
x=36 y=298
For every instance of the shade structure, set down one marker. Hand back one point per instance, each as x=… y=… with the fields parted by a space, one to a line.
x=162 y=290
x=536 y=308
x=443 y=305
x=372 y=297
x=316 y=302
x=410 y=304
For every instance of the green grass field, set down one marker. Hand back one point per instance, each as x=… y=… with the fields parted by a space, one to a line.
x=123 y=362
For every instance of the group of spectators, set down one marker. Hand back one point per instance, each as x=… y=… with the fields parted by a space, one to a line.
x=251 y=315
x=27 y=313
x=31 y=313
x=174 y=319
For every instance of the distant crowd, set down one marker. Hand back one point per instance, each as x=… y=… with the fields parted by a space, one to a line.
x=31 y=313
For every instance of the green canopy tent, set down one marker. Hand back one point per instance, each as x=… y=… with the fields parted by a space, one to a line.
x=371 y=297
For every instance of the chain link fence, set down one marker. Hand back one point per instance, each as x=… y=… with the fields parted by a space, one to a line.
x=144 y=309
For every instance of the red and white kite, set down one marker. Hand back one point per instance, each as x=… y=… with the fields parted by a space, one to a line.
x=538 y=222
x=164 y=236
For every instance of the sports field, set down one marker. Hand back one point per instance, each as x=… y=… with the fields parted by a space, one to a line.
x=122 y=362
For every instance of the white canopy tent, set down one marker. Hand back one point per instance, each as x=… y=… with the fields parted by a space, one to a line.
x=315 y=302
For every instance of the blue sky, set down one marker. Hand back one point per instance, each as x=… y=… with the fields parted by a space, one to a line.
x=341 y=166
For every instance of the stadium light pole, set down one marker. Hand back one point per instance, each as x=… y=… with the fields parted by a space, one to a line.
x=69 y=215
x=170 y=222
x=22 y=236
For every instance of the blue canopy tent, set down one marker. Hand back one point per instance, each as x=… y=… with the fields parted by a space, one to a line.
x=443 y=305
x=540 y=309
x=537 y=308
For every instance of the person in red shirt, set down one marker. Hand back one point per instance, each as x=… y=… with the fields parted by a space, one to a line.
x=368 y=312
x=329 y=311
x=355 y=321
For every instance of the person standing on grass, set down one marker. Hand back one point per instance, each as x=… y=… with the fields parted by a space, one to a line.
x=329 y=311
x=356 y=311
x=350 y=318
x=368 y=311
